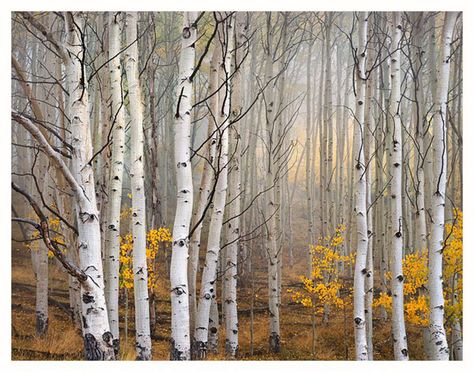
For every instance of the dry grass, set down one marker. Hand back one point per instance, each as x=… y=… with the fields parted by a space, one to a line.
x=334 y=341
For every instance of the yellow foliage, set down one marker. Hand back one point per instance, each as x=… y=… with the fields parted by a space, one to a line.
x=453 y=268
x=415 y=272
x=154 y=237
x=323 y=287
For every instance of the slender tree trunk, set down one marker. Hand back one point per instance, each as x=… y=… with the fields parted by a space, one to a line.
x=112 y=237
x=400 y=347
x=180 y=342
x=233 y=225
x=140 y=271
x=360 y=268
x=209 y=275
x=369 y=161
x=205 y=188
x=437 y=331
x=309 y=164
x=270 y=179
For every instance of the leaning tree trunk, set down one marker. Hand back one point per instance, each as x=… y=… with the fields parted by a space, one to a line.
x=438 y=342
x=400 y=348
x=180 y=343
x=140 y=272
x=209 y=275
x=112 y=237
x=97 y=337
x=360 y=269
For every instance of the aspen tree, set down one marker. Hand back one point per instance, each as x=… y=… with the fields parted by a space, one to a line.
x=112 y=239
x=368 y=148
x=233 y=224
x=180 y=340
x=438 y=342
x=400 y=347
x=209 y=274
x=204 y=194
x=271 y=243
x=140 y=271
x=360 y=269
x=98 y=341
x=309 y=160
x=420 y=131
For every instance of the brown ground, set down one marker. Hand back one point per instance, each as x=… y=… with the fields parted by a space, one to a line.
x=334 y=340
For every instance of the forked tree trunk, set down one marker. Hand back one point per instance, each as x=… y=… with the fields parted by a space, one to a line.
x=209 y=275
x=112 y=237
x=204 y=194
x=98 y=341
x=140 y=271
x=180 y=342
x=439 y=345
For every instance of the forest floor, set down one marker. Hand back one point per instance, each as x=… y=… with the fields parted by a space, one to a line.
x=334 y=340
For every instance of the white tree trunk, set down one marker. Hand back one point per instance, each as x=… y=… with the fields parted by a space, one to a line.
x=360 y=269
x=112 y=235
x=205 y=188
x=214 y=327
x=270 y=179
x=437 y=331
x=400 y=348
x=209 y=277
x=180 y=342
x=97 y=337
x=41 y=306
x=233 y=226
x=140 y=272
x=309 y=164
x=419 y=113
x=368 y=148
